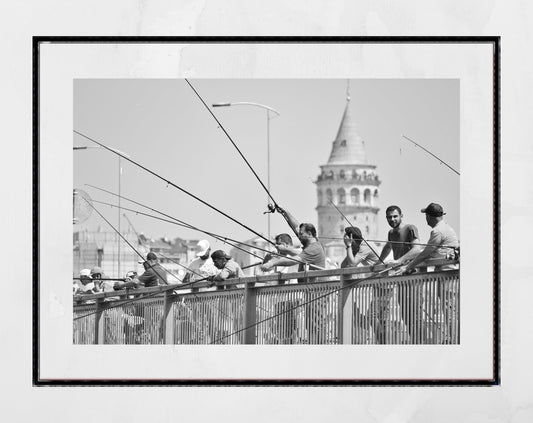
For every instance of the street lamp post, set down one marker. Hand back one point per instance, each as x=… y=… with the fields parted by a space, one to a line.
x=119 y=186
x=268 y=111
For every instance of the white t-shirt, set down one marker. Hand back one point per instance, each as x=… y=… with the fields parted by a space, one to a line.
x=200 y=268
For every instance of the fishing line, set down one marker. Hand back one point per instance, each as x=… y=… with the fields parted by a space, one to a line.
x=230 y=241
x=166 y=270
x=349 y=285
x=184 y=224
x=391 y=242
x=225 y=240
x=349 y=223
x=174 y=185
x=429 y=152
x=229 y=137
x=132 y=247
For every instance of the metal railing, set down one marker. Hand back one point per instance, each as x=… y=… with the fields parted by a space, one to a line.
x=338 y=306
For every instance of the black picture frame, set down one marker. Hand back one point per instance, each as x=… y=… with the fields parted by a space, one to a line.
x=37 y=380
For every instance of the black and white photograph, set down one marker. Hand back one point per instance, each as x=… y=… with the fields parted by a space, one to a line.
x=277 y=210
x=267 y=211
x=280 y=211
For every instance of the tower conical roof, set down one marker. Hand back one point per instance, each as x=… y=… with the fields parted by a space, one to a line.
x=348 y=147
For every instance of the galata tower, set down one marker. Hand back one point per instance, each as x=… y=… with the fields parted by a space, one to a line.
x=352 y=184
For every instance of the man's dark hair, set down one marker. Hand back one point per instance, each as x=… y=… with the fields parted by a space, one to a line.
x=390 y=209
x=308 y=227
x=285 y=238
x=354 y=232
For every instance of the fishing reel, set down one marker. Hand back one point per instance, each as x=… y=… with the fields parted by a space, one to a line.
x=271 y=208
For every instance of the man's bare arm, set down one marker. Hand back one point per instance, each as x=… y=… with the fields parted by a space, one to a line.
x=385 y=252
x=421 y=257
x=411 y=254
x=293 y=223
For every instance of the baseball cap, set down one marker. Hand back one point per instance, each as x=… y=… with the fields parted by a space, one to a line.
x=218 y=254
x=149 y=256
x=433 y=209
x=85 y=272
x=202 y=247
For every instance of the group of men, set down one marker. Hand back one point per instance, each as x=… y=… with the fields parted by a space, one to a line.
x=94 y=281
x=218 y=266
x=402 y=240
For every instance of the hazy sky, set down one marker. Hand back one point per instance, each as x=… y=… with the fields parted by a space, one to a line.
x=162 y=125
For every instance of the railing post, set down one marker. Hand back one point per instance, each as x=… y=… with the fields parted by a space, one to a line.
x=250 y=298
x=345 y=313
x=99 y=322
x=168 y=319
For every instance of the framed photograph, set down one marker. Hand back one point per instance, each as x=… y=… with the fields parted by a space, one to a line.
x=266 y=211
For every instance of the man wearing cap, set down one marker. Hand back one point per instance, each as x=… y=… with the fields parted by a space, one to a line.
x=227 y=268
x=99 y=278
x=442 y=239
x=202 y=266
x=154 y=275
x=85 y=284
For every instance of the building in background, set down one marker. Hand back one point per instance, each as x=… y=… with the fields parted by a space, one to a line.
x=99 y=248
x=350 y=182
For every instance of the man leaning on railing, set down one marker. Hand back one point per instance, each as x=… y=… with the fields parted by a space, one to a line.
x=312 y=251
x=227 y=268
x=442 y=244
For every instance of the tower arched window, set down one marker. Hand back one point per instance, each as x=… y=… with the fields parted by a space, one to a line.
x=341 y=196
x=354 y=194
x=367 y=196
x=342 y=175
x=376 y=196
x=367 y=230
x=319 y=197
x=329 y=196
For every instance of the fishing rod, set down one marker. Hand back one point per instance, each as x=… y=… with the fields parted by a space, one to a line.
x=271 y=207
x=349 y=285
x=429 y=152
x=131 y=246
x=161 y=290
x=101 y=279
x=175 y=220
x=184 y=224
x=349 y=223
x=167 y=288
x=173 y=184
x=225 y=240
x=391 y=242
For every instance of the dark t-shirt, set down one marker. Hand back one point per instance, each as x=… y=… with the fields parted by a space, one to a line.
x=406 y=234
x=312 y=254
x=154 y=275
